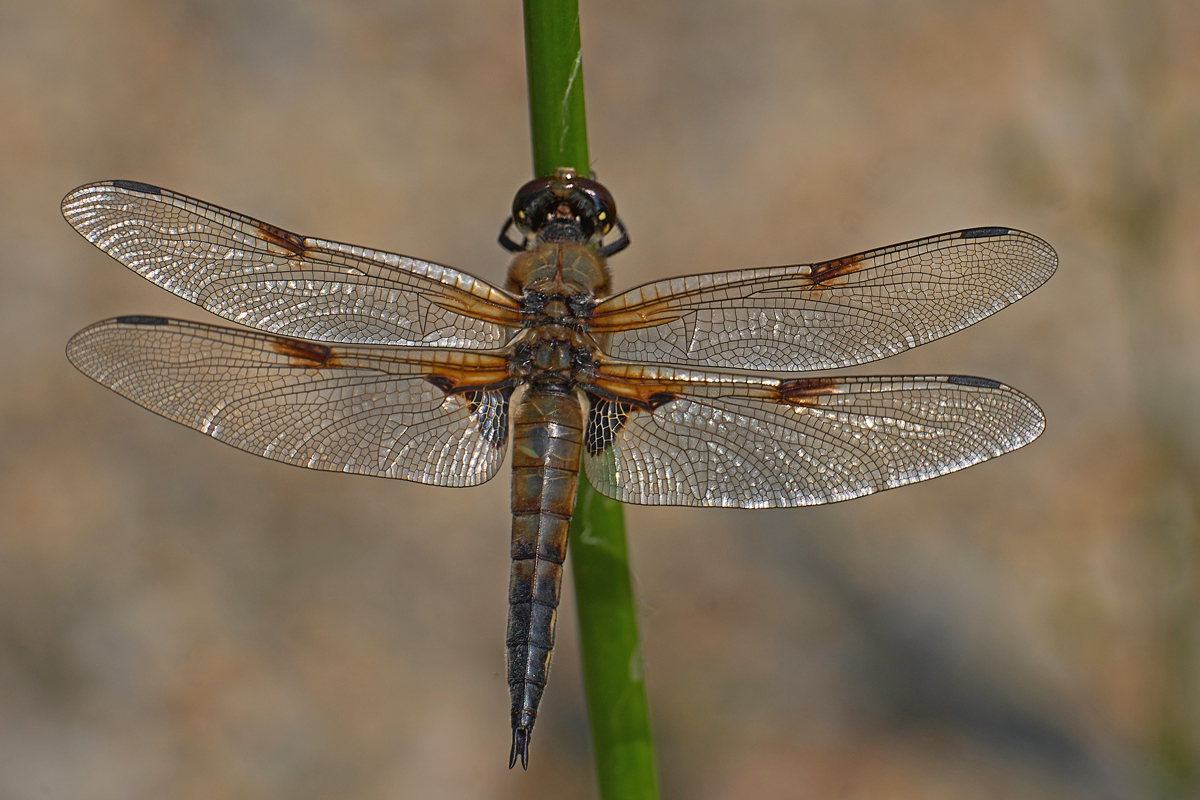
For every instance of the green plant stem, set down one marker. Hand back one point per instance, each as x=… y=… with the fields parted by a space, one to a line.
x=554 y=66
x=613 y=675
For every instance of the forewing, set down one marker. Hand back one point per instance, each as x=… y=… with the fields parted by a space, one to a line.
x=267 y=278
x=425 y=416
x=658 y=436
x=848 y=311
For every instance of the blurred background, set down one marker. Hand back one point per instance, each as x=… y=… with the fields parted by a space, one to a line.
x=181 y=620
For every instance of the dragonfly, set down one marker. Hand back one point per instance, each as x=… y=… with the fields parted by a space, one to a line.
x=362 y=361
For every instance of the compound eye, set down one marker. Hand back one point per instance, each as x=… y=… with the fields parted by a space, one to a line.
x=531 y=204
x=604 y=208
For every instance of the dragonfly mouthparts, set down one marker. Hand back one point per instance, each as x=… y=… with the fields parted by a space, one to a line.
x=520 y=747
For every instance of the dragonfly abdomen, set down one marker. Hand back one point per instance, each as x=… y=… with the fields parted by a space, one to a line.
x=547 y=441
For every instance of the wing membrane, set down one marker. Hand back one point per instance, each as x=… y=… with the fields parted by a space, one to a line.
x=420 y=415
x=834 y=314
x=660 y=436
x=267 y=278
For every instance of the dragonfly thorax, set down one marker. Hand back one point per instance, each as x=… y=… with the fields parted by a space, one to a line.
x=559 y=268
x=553 y=354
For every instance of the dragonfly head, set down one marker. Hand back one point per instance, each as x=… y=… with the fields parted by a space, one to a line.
x=564 y=208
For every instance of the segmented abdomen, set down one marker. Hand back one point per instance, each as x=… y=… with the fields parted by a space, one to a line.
x=547 y=440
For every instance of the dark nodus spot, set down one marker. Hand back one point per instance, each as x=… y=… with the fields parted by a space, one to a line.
x=307 y=351
x=798 y=390
x=281 y=238
x=837 y=268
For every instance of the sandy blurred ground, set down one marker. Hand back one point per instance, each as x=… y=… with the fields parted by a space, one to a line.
x=182 y=620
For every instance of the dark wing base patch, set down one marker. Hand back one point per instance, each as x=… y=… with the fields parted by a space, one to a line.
x=605 y=420
x=489 y=409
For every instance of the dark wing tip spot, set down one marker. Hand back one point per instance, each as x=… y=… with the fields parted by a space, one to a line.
x=984 y=233
x=967 y=380
x=138 y=319
x=137 y=186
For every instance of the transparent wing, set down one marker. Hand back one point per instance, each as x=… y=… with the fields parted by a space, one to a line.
x=368 y=410
x=658 y=436
x=848 y=311
x=267 y=278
